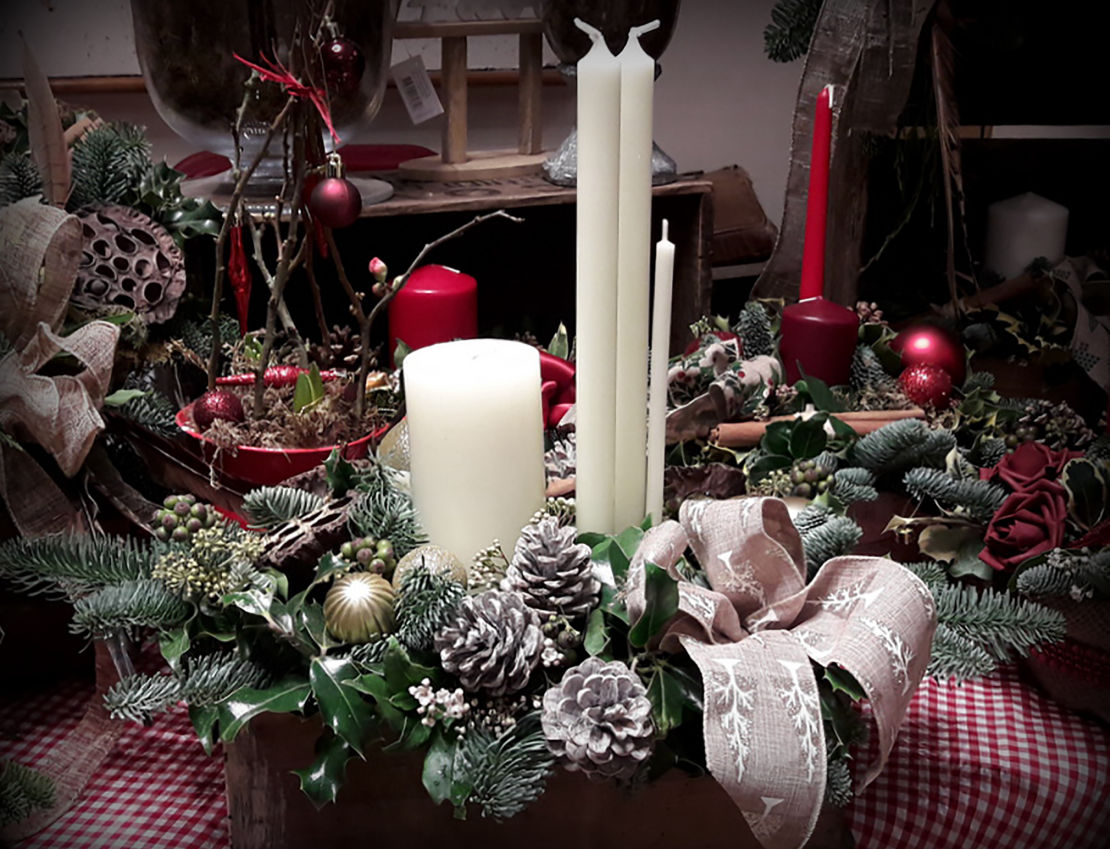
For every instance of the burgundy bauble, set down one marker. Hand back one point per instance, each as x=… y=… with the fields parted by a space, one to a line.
x=343 y=65
x=926 y=386
x=335 y=202
x=928 y=345
x=217 y=404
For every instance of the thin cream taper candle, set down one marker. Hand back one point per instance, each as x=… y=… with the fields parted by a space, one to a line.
x=660 y=356
x=598 y=78
x=633 y=279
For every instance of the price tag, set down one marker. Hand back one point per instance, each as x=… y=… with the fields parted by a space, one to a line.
x=417 y=92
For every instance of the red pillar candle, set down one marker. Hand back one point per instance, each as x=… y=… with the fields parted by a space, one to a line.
x=437 y=304
x=818 y=337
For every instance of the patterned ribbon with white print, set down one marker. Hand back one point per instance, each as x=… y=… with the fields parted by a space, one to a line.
x=752 y=636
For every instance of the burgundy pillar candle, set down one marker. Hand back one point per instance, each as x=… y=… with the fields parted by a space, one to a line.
x=821 y=336
x=437 y=304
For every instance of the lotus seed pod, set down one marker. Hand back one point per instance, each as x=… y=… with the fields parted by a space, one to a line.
x=434 y=558
x=358 y=607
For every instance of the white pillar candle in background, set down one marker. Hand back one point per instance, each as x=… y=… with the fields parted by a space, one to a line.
x=598 y=79
x=476 y=441
x=660 y=356
x=637 y=82
x=1022 y=228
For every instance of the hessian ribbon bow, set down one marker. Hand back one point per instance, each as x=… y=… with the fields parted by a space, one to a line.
x=752 y=636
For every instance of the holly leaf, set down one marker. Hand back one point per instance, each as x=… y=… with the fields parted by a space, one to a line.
x=660 y=605
x=819 y=392
x=776 y=438
x=322 y=779
x=173 y=644
x=808 y=439
x=401 y=671
x=246 y=703
x=667 y=696
x=328 y=566
x=841 y=679
x=204 y=719
x=379 y=690
x=957 y=546
x=342 y=708
x=309 y=390
x=597 y=633
x=340 y=474
x=311 y=620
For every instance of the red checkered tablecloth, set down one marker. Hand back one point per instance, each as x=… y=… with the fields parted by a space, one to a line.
x=990 y=764
x=156 y=790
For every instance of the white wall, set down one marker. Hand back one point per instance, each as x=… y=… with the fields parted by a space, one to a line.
x=718 y=101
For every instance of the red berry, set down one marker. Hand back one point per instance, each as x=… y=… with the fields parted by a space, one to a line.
x=217 y=404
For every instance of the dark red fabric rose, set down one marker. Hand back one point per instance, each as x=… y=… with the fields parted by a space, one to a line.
x=1030 y=462
x=1029 y=522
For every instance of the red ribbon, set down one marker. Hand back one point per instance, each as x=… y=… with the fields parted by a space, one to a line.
x=240 y=276
x=278 y=73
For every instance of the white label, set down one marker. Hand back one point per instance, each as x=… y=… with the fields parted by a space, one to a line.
x=417 y=92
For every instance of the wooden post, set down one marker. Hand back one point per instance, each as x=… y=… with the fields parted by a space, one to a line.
x=531 y=67
x=454 y=91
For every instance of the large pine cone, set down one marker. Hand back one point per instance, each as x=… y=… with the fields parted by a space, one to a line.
x=493 y=644
x=598 y=719
x=552 y=572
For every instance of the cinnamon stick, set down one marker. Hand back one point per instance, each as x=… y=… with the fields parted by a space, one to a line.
x=745 y=434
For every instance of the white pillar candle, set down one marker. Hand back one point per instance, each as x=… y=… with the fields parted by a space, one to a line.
x=1022 y=228
x=476 y=441
x=633 y=279
x=660 y=356
x=596 y=282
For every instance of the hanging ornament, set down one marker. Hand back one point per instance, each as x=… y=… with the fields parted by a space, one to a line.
x=343 y=65
x=240 y=276
x=217 y=404
x=334 y=201
x=928 y=345
x=927 y=386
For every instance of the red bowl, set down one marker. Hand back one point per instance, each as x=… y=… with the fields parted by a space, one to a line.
x=266 y=466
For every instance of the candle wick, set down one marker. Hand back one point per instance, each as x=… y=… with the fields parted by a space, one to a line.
x=636 y=32
x=830 y=88
x=593 y=32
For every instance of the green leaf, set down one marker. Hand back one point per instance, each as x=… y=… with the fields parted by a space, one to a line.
x=122 y=396
x=628 y=540
x=309 y=389
x=667 y=698
x=173 y=644
x=322 y=779
x=204 y=720
x=776 y=439
x=808 y=439
x=958 y=546
x=842 y=431
x=401 y=671
x=328 y=566
x=244 y=705
x=439 y=767
x=1086 y=488
x=559 y=345
x=340 y=473
x=597 y=633
x=400 y=351
x=311 y=619
x=375 y=686
x=841 y=679
x=660 y=605
x=612 y=602
x=766 y=464
x=822 y=396
x=341 y=708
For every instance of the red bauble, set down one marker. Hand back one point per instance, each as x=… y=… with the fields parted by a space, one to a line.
x=335 y=202
x=343 y=65
x=928 y=345
x=927 y=386
x=217 y=404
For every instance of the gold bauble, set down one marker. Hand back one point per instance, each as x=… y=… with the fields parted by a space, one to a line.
x=359 y=606
x=393 y=450
x=436 y=559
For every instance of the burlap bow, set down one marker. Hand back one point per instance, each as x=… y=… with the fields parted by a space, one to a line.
x=752 y=637
x=39 y=252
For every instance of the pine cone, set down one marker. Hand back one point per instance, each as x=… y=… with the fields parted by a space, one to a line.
x=552 y=572
x=867 y=371
x=493 y=644
x=754 y=328
x=339 y=350
x=598 y=719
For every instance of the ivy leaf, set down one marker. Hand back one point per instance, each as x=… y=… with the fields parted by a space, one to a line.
x=667 y=697
x=597 y=633
x=439 y=767
x=321 y=780
x=309 y=390
x=173 y=644
x=341 y=708
x=245 y=704
x=660 y=605
x=204 y=718
x=340 y=473
x=808 y=439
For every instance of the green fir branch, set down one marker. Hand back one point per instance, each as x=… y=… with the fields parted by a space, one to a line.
x=153 y=411
x=812 y=516
x=931 y=572
x=426 y=601
x=957 y=656
x=211 y=678
x=1071 y=575
x=978 y=380
x=108 y=164
x=19 y=178
x=73 y=563
x=975 y=498
x=127 y=607
x=23 y=791
x=902 y=445
x=384 y=511
x=138 y=697
x=854 y=484
x=504 y=773
x=1003 y=625
x=788 y=35
x=837 y=536
x=269 y=506
x=988 y=451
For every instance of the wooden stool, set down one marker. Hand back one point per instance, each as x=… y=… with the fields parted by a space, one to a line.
x=455 y=162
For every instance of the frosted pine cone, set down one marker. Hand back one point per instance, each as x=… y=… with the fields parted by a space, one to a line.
x=598 y=719
x=493 y=643
x=551 y=571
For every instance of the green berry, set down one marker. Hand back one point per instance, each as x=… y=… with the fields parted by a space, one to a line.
x=364 y=556
x=169 y=501
x=347 y=550
x=194 y=525
x=179 y=534
x=181 y=508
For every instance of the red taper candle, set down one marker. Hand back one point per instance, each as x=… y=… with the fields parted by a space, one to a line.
x=817 y=203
